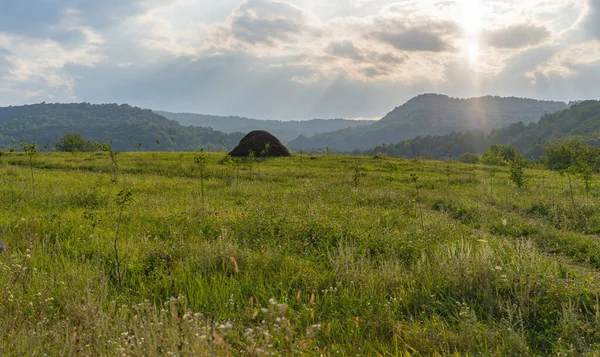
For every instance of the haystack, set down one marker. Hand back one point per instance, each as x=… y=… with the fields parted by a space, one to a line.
x=256 y=141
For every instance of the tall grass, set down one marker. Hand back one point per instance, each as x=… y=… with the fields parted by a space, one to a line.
x=292 y=264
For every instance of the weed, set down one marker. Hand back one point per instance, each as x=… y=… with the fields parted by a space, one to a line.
x=414 y=178
x=357 y=171
x=124 y=198
x=31 y=150
x=200 y=159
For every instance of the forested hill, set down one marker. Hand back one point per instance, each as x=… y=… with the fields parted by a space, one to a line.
x=122 y=125
x=434 y=114
x=283 y=130
x=581 y=120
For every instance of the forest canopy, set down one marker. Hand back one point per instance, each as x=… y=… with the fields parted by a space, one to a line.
x=125 y=127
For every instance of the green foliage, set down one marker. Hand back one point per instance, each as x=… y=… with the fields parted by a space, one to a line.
x=573 y=156
x=516 y=169
x=295 y=264
x=500 y=155
x=581 y=121
x=31 y=150
x=47 y=123
x=433 y=114
x=113 y=155
x=468 y=158
x=201 y=160
x=124 y=198
x=283 y=130
x=73 y=142
x=569 y=152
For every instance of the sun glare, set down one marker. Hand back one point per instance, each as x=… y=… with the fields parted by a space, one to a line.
x=472 y=17
x=472 y=23
x=473 y=52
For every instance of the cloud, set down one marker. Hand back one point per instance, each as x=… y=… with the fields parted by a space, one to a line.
x=591 y=22
x=293 y=59
x=35 y=67
x=414 y=40
x=344 y=49
x=34 y=18
x=270 y=21
x=516 y=36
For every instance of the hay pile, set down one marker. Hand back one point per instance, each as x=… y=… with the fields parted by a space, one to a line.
x=256 y=141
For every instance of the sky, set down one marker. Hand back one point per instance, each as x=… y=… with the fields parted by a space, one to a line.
x=295 y=59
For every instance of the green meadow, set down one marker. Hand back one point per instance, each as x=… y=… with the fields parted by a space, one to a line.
x=309 y=255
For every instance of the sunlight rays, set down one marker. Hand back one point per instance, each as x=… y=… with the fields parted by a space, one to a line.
x=472 y=24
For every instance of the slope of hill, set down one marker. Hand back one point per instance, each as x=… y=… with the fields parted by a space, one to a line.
x=434 y=114
x=123 y=125
x=581 y=120
x=283 y=130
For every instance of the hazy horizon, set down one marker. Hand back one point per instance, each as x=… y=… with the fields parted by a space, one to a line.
x=296 y=59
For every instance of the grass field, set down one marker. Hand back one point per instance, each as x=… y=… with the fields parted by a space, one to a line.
x=313 y=255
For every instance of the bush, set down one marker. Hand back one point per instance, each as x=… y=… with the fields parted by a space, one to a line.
x=501 y=155
x=73 y=142
x=564 y=154
x=491 y=158
x=516 y=171
x=468 y=158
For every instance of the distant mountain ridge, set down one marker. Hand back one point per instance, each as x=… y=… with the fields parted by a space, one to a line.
x=581 y=120
x=283 y=130
x=123 y=126
x=434 y=114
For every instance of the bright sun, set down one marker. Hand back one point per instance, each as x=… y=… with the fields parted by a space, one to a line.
x=473 y=52
x=472 y=23
x=472 y=17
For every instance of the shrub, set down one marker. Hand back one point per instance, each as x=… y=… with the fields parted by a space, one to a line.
x=73 y=142
x=468 y=158
x=500 y=155
x=516 y=171
x=572 y=156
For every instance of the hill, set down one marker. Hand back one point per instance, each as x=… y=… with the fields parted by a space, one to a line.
x=123 y=125
x=283 y=130
x=581 y=120
x=434 y=114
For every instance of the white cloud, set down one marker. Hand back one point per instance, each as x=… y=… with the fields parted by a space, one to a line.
x=34 y=67
x=516 y=36
x=191 y=54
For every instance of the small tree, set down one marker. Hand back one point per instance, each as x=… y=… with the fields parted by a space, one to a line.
x=13 y=147
x=448 y=167
x=113 y=155
x=251 y=159
x=73 y=142
x=517 y=170
x=573 y=157
x=357 y=172
x=468 y=158
x=414 y=178
x=201 y=160
x=31 y=150
x=499 y=155
x=234 y=165
x=124 y=197
x=265 y=152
